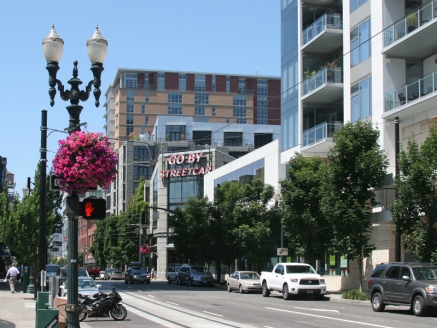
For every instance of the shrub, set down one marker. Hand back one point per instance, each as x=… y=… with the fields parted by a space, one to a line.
x=354 y=294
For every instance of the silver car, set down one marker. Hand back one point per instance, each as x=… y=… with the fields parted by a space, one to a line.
x=244 y=281
x=86 y=286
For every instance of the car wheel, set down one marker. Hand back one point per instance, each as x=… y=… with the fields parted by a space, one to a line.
x=265 y=290
x=178 y=281
x=125 y=281
x=240 y=289
x=285 y=293
x=229 y=288
x=377 y=303
x=168 y=280
x=419 y=306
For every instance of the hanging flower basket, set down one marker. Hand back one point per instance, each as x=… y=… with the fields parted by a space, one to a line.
x=145 y=249
x=84 y=161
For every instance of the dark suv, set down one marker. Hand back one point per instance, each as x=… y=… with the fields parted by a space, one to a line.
x=409 y=283
x=194 y=275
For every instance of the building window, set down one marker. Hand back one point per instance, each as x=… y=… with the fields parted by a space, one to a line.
x=262 y=87
x=130 y=80
x=175 y=97
x=239 y=106
x=161 y=81
x=228 y=120
x=130 y=95
x=143 y=108
x=360 y=43
x=201 y=99
x=199 y=83
x=262 y=111
x=147 y=95
x=202 y=137
x=146 y=81
x=203 y=119
x=129 y=119
x=141 y=170
x=129 y=129
x=213 y=111
x=262 y=116
x=147 y=119
x=130 y=107
x=182 y=82
x=354 y=4
x=228 y=84
x=213 y=84
x=233 y=138
x=143 y=153
x=262 y=139
x=241 y=85
x=174 y=132
x=175 y=109
x=361 y=99
x=199 y=110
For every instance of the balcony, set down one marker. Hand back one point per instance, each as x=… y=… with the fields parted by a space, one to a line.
x=323 y=36
x=414 y=93
x=414 y=35
x=325 y=86
x=320 y=134
x=139 y=86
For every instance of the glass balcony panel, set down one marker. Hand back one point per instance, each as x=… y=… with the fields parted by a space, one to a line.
x=326 y=75
x=320 y=132
x=331 y=21
x=409 y=23
x=411 y=92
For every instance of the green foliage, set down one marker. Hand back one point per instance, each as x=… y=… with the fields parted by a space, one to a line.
x=307 y=229
x=414 y=211
x=354 y=294
x=237 y=224
x=116 y=237
x=19 y=221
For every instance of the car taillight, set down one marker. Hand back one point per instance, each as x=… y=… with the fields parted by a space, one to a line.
x=368 y=283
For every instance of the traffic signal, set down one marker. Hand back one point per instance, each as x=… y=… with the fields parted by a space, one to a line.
x=93 y=208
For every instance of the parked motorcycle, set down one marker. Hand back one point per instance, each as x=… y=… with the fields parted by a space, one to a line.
x=102 y=305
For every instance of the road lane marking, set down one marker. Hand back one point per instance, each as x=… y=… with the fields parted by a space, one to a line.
x=140 y=291
x=151 y=296
x=330 y=318
x=267 y=327
x=322 y=310
x=173 y=303
x=218 y=315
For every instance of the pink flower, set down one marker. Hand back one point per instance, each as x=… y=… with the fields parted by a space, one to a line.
x=85 y=160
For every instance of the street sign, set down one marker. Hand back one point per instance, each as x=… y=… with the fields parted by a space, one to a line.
x=54 y=184
x=282 y=251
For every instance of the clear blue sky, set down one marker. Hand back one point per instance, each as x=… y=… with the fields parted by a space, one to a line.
x=222 y=36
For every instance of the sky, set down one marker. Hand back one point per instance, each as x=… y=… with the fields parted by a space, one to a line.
x=222 y=36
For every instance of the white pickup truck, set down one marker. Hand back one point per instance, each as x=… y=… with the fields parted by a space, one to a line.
x=293 y=279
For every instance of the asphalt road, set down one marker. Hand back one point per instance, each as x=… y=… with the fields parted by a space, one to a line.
x=162 y=305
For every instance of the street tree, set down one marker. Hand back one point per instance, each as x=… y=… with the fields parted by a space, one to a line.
x=414 y=210
x=356 y=167
x=20 y=221
x=306 y=227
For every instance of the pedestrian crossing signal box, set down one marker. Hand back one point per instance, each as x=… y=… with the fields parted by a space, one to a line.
x=93 y=209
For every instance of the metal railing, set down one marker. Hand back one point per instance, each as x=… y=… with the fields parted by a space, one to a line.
x=411 y=22
x=411 y=92
x=139 y=86
x=327 y=21
x=320 y=132
x=246 y=91
x=326 y=75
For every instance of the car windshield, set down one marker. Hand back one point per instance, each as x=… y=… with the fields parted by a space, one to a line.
x=51 y=270
x=300 y=269
x=80 y=273
x=198 y=269
x=425 y=273
x=86 y=283
x=117 y=272
x=249 y=275
x=140 y=271
x=110 y=270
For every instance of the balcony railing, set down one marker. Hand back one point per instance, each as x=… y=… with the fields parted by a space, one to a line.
x=409 y=23
x=320 y=132
x=332 y=21
x=411 y=92
x=326 y=75
x=139 y=86
x=246 y=91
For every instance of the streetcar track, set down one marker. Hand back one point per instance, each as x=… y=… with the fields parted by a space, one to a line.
x=172 y=308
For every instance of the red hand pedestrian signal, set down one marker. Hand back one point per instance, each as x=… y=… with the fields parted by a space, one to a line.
x=93 y=208
x=89 y=208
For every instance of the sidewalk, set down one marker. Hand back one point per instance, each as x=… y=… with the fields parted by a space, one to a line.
x=16 y=310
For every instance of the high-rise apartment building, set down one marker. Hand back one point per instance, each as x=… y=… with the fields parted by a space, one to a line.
x=137 y=97
x=350 y=60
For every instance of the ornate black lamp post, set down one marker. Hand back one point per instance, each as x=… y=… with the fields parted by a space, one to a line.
x=53 y=46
